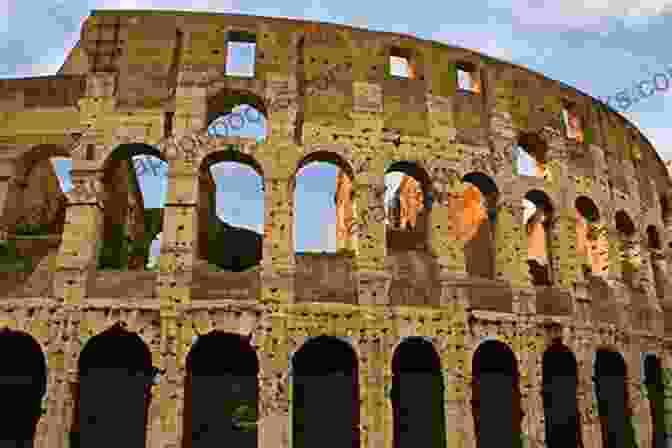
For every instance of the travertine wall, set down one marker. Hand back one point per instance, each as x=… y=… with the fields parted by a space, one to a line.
x=157 y=78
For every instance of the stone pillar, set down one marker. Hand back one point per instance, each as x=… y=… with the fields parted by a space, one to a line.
x=615 y=254
x=77 y=255
x=369 y=229
x=180 y=238
x=274 y=425
x=170 y=393
x=530 y=386
x=372 y=395
x=584 y=351
x=564 y=259
x=278 y=260
x=447 y=232
x=511 y=254
x=54 y=427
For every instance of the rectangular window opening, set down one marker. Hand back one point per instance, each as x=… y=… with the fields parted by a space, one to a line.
x=467 y=78
x=401 y=65
x=241 y=54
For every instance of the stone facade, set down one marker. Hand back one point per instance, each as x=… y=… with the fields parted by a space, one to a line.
x=151 y=83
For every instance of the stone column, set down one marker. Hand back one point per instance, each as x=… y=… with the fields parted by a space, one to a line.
x=564 y=262
x=77 y=255
x=61 y=358
x=511 y=254
x=615 y=254
x=369 y=229
x=274 y=425
x=584 y=351
x=532 y=424
x=278 y=260
x=180 y=238
x=447 y=234
x=372 y=394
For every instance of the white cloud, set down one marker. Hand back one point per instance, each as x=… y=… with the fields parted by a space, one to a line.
x=582 y=14
x=210 y=5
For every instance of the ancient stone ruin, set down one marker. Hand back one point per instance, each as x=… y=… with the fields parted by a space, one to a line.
x=516 y=293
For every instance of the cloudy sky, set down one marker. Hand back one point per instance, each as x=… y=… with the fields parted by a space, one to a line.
x=600 y=48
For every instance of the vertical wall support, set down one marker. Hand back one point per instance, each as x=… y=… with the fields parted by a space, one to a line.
x=511 y=246
x=179 y=243
x=447 y=243
x=373 y=281
x=77 y=255
x=565 y=262
x=278 y=259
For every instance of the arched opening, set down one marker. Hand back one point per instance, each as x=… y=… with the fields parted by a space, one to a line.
x=231 y=211
x=115 y=372
x=236 y=113
x=408 y=204
x=477 y=219
x=612 y=400
x=629 y=249
x=133 y=181
x=221 y=392
x=559 y=377
x=324 y=370
x=23 y=383
x=324 y=231
x=152 y=175
x=538 y=216
x=324 y=208
x=657 y=260
x=496 y=397
x=529 y=156
x=417 y=395
x=592 y=245
x=33 y=218
x=655 y=392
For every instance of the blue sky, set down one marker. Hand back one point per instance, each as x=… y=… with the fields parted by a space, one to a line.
x=600 y=49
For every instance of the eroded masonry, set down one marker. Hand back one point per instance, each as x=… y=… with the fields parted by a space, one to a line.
x=516 y=293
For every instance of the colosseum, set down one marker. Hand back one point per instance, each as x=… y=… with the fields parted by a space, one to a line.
x=523 y=263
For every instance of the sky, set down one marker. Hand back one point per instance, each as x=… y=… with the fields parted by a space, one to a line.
x=599 y=47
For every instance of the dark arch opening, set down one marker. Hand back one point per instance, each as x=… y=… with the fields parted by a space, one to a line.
x=624 y=224
x=559 y=373
x=221 y=392
x=23 y=382
x=325 y=372
x=112 y=400
x=496 y=397
x=232 y=247
x=655 y=391
x=588 y=209
x=540 y=258
x=479 y=250
x=612 y=399
x=409 y=208
x=653 y=240
x=417 y=395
